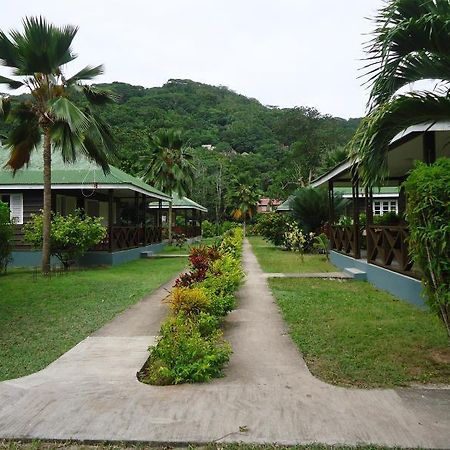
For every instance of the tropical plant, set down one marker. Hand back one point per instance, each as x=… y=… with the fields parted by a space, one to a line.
x=411 y=42
x=322 y=244
x=169 y=166
x=310 y=207
x=6 y=234
x=71 y=236
x=428 y=212
x=244 y=200
x=273 y=226
x=37 y=57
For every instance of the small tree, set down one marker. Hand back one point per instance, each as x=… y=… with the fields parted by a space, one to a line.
x=428 y=213
x=6 y=234
x=311 y=209
x=273 y=226
x=244 y=199
x=71 y=236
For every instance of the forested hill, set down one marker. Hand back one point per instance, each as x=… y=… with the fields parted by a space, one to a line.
x=272 y=148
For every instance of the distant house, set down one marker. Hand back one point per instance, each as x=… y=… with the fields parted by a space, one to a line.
x=187 y=215
x=120 y=199
x=384 y=199
x=266 y=205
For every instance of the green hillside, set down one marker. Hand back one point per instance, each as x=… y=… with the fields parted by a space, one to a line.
x=275 y=149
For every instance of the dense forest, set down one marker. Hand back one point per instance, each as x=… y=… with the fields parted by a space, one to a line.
x=273 y=149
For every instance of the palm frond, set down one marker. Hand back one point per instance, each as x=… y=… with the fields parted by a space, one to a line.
x=8 y=52
x=5 y=107
x=88 y=73
x=64 y=110
x=23 y=138
x=13 y=84
x=370 y=144
x=42 y=47
x=97 y=96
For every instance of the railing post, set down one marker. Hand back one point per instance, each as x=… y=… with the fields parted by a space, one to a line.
x=110 y=219
x=355 y=197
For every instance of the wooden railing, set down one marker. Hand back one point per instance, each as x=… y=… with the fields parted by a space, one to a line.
x=123 y=238
x=189 y=231
x=387 y=246
x=345 y=239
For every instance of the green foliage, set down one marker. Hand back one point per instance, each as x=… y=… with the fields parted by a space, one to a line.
x=428 y=214
x=190 y=347
x=273 y=226
x=409 y=44
x=71 y=236
x=210 y=229
x=310 y=207
x=183 y=354
x=6 y=235
x=322 y=244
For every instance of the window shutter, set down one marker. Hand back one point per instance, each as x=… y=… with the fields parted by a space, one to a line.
x=16 y=208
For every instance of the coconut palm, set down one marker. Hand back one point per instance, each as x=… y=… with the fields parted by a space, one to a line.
x=169 y=165
x=411 y=43
x=37 y=56
x=245 y=200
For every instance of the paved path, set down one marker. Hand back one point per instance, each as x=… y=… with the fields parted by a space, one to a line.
x=91 y=392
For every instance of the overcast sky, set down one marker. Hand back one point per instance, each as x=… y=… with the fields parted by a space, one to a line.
x=282 y=52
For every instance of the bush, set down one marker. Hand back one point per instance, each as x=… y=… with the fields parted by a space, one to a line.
x=311 y=209
x=6 y=235
x=189 y=301
x=273 y=226
x=210 y=229
x=71 y=236
x=428 y=213
x=185 y=354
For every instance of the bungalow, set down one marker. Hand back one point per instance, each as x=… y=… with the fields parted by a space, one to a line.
x=379 y=253
x=118 y=198
x=187 y=215
x=266 y=205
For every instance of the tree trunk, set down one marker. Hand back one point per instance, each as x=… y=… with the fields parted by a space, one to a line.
x=47 y=210
x=244 y=225
x=170 y=223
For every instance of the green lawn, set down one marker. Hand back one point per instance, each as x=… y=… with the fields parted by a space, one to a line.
x=352 y=334
x=41 y=318
x=40 y=445
x=274 y=259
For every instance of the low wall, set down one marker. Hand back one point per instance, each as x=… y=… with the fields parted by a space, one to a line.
x=33 y=258
x=402 y=286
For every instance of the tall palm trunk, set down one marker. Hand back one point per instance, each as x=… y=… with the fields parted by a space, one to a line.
x=170 y=223
x=47 y=212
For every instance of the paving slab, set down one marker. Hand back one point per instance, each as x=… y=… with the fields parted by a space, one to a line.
x=91 y=392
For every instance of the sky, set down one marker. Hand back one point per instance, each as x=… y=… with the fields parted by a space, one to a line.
x=282 y=52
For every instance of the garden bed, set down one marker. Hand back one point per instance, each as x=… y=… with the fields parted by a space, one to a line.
x=190 y=347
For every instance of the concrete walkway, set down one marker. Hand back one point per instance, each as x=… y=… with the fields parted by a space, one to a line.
x=91 y=392
x=325 y=275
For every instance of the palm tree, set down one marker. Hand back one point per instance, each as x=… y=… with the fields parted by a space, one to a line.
x=245 y=200
x=169 y=165
x=36 y=57
x=411 y=43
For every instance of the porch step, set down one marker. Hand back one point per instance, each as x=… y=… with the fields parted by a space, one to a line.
x=356 y=274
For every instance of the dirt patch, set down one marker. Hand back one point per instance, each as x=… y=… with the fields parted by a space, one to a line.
x=441 y=355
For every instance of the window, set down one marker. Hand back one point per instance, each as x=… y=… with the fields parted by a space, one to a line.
x=65 y=205
x=381 y=207
x=15 y=203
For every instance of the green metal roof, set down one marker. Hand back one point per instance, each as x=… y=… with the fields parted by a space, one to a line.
x=181 y=203
x=81 y=172
x=285 y=205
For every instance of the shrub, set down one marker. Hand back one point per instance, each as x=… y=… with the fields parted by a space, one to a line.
x=189 y=301
x=311 y=209
x=185 y=354
x=6 y=234
x=232 y=242
x=428 y=213
x=71 y=236
x=273 y=226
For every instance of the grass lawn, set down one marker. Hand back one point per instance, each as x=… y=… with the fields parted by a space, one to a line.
x=352 y=334
x=274 y=259
x=39 y=445
x=41 y=318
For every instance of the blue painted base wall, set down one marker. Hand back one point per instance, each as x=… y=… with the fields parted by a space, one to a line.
x=403 y=287
x=33 y=258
